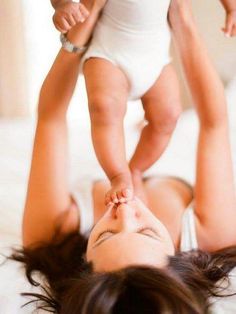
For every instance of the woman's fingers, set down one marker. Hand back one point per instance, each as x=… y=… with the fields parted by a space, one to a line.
x=234 y=31
x=80 y=14
x=64 y=25
x=71 y=20
x=83 y=10
x=79 y=17
x=229 y=28
x=68 y=15
x=63 y=31
x=59 y=24
x=230 y=24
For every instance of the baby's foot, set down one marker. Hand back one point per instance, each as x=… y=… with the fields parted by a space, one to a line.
x=121 y=190
x=138 y=186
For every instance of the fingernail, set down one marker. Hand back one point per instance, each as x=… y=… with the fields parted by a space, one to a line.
x=227 y=35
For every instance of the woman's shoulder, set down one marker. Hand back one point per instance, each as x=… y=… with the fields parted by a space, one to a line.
x=82 y=195
x=89 y=197
x=168 y=198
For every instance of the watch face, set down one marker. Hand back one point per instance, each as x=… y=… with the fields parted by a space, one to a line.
x=68 y=46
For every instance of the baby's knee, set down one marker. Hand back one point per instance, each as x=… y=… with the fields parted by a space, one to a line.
x=105 y=109
x=166 y=121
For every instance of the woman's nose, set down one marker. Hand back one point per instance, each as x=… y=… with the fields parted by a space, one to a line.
x=124 y=211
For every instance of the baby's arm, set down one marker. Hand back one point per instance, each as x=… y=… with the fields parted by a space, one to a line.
x=68 y=13
x=230 y=23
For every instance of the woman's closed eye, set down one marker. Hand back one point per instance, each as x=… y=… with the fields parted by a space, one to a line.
x=147 y=231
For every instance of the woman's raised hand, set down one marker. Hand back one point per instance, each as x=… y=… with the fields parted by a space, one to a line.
x=230 y=24
x=68 y=14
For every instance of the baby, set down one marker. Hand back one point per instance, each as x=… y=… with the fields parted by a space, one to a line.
x=127 y=59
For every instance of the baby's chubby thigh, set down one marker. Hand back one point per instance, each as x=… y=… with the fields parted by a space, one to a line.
x=162 y=103
x=107 y=89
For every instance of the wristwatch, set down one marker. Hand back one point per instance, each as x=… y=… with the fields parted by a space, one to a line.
x=68 y=46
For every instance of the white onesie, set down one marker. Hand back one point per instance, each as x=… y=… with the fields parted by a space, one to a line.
x=135 y=36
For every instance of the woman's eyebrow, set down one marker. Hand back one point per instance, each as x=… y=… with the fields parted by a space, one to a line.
x=103 y=240
x=93 y=227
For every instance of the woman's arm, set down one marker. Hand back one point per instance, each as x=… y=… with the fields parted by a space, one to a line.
x=229 y=5
x=230 y=22
x=55 y=3
x=48 y=199
x=215 y=191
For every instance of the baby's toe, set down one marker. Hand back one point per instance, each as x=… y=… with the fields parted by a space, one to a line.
x=121 y=197
x=127 y=193
x=107 y=199
x=114 y=198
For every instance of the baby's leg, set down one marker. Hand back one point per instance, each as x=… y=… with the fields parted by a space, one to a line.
x=107 y=89
x=162 y=108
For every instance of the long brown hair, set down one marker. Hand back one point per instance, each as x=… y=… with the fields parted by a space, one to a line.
x=72 y=287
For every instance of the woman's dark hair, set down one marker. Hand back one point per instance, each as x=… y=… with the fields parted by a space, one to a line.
x=71 y=287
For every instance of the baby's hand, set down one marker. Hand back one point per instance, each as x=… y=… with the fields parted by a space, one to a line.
x=230 y=24
x=68 y=15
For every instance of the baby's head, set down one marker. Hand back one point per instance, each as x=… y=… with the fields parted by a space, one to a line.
x=128 y=235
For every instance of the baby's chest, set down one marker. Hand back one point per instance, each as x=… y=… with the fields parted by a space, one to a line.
x=137 y=10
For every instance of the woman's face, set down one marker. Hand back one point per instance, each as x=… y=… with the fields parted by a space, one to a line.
x=127 y=235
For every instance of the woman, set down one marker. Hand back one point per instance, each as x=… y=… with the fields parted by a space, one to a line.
x=133 y=260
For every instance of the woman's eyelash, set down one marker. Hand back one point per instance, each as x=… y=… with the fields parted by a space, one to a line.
x=105 y=231
x=144 y=229
x=148 y=229
x=140 y=230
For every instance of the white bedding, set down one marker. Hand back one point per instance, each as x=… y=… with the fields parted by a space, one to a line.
x=15 y=149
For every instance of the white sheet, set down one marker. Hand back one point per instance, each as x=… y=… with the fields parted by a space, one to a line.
x=15 y=150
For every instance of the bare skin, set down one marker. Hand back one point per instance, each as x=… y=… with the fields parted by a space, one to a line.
x=161 y=104
x=49 y=202
x=160 y=194
x=68 y=13
x=162 y=109
x=108 y=89
x=230 y=21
